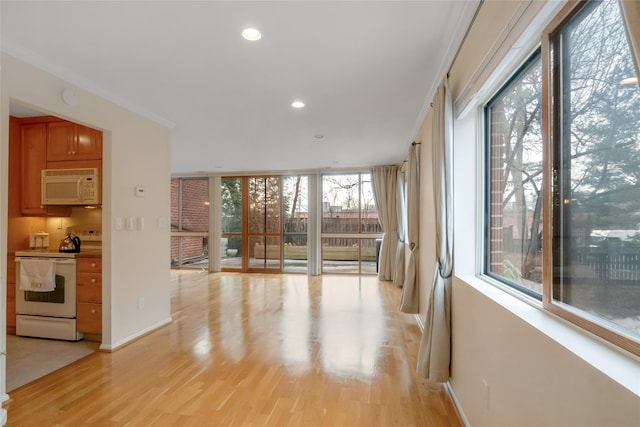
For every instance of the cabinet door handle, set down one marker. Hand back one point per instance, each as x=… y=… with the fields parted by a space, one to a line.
x=93 y=280
x=93 y=265
x=93 y=311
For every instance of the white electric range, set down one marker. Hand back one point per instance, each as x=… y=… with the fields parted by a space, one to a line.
x=46 y=311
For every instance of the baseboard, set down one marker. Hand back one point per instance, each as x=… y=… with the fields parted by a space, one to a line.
x=456 y=403
x=3 y=417
x=452 y=394
x=126 y=341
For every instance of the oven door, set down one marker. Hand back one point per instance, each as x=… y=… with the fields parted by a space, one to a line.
x=60 y=302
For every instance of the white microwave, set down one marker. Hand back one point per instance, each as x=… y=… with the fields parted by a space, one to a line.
x=70 y=186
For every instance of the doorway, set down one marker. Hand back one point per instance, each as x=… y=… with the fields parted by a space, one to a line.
x=264 y=223
x=251 y=223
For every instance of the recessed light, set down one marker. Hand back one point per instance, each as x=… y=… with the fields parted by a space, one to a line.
x=297 y=104
x=251 y=34
x=318 y=136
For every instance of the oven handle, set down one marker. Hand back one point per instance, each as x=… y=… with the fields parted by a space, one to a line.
x=55 y=260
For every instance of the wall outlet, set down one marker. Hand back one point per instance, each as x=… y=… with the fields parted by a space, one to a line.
x=140 y=303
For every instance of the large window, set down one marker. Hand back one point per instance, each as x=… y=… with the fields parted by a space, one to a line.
x=296 y=215
x=251 y=223
x=351 y=231
x=595 y=157
x=231 y=209
x=514 y=202
x=190 y=223
x=579 y=251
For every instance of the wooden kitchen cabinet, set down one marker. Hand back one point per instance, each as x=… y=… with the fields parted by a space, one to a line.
x=71 y=141
x=11 y=291
x=89 y=295
x=33 y=158
x=34 y=149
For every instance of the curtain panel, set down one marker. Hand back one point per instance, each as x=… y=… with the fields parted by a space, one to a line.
x=398 y=277
x=434 y=355
x=410 y=291
x=384 y=183
x=631 y=14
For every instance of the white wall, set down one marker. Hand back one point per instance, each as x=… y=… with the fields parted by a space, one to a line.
x=136 y=152
x=538 y=370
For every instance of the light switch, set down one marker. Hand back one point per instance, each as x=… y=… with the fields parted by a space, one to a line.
x=162 y=223
x=118 y=223
x=130 y=225
x=140 y=223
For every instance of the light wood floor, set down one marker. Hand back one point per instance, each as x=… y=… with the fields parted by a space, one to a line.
x=251 y=350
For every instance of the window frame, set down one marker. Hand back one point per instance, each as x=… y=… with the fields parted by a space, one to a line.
x=551 y=129
x=359 y=235
x=551 y=132
x=532 y=58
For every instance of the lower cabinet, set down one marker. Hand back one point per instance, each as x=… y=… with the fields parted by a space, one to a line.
x=89 y=318
x=89 y=295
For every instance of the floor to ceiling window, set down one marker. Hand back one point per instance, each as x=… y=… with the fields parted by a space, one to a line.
x=264 y=223
x=189 y=223
x=296 y=215
x=231 y=209
x=251 y=223
x=351 y=232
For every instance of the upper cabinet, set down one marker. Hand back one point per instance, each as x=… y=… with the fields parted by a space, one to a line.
x=33 y=156
x=48 y=142
x=70 y=141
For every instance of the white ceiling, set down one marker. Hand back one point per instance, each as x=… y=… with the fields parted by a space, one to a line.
x=366 y=71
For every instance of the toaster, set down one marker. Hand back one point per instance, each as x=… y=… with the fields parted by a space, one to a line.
x=39 y=240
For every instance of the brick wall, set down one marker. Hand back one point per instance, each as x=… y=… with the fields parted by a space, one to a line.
x=496 y=197
x=195 y=216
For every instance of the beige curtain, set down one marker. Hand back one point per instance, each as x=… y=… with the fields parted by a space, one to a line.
x=384 y=183
x=401 y=212
x=435 y=348
x=410 y=291
x=631 y=14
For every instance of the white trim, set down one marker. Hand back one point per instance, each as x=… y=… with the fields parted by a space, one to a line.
x=130 y=338
x=459 y=30
x=13 y=48
x=5 y=397
x=215 y=222
x=447 y=385
x=495 y=69
x=3 y=417
x=456 y=403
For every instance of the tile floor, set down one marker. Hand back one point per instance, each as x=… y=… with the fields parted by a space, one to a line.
x=32 y=358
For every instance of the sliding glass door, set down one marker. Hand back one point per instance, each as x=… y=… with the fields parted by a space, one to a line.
x=296 y=215
x=251 y=223
x=351 y=231
x=264 y=223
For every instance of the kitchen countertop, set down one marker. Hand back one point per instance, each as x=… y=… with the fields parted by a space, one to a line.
x=89 y=253
x=53 y=253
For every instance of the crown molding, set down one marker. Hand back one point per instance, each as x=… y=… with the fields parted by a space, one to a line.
x=11 y=47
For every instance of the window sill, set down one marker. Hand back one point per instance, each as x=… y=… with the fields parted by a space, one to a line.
x=617 y=364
